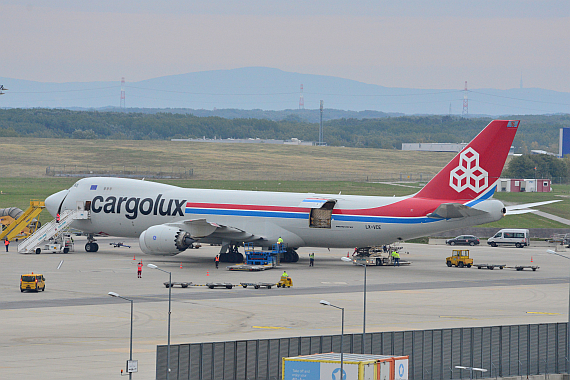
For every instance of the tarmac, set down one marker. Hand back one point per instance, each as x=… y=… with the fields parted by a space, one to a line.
x=75 y=330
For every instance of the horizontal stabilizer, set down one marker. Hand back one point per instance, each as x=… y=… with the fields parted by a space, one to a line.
x=454 y=210
x=525 y=206
x=518 y=212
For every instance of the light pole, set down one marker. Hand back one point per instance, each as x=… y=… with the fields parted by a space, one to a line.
x=471 y=369
x=568 y=324
x=152 y=266
x=327 y=303
x=113 y=294
x=364 y=313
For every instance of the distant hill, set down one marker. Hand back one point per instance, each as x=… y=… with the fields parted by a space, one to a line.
x=261 y=88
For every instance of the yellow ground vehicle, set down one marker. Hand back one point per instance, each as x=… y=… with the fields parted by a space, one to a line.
x=285 y=282
x=460 y=258
x=34 y=282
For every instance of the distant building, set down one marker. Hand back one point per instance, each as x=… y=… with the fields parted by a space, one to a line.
x=434 y=147
x=512 y=185
x=293 y=141
x=564 y=142
x=441 y=147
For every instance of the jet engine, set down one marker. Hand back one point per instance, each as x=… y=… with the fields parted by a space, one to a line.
x=164 y=240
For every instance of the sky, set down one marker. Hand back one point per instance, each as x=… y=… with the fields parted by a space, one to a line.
x=406 y=43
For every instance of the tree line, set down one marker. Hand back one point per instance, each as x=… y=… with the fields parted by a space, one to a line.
x=535 y=132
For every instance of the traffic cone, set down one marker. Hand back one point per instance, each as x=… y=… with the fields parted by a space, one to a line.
x=180 y=265
x=207 y=273
x=531 y=259
x=134 y=258
x=347 y=254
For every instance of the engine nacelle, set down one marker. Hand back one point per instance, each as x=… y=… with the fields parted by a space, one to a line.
x=164 y=240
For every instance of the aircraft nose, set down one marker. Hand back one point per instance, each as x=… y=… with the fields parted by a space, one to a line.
x=53 y=201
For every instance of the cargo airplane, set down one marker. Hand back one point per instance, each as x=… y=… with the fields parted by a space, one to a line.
x=168 y=219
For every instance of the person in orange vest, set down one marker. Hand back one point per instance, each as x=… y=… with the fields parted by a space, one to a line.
x=140 y=265
x=6 y=244
x=57 y=218
x=217 y=261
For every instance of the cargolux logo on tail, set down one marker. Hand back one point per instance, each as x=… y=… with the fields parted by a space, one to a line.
x=469 y=175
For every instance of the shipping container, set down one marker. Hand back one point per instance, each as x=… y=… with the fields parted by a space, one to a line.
x=355 y=367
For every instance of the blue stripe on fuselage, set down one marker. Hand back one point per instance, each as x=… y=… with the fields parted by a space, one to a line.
x=290 y=215
x=484 y=197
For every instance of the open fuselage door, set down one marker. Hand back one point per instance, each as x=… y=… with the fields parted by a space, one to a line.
x=321 y=211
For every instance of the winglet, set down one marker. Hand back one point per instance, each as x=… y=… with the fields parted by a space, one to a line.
x=473 y=173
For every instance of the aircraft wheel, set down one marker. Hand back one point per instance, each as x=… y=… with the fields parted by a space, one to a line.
x=95 y=247
x=295 y=256
x=38 y=251
x=88 y=247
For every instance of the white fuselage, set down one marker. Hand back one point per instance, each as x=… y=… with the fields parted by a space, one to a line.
x=126 y=208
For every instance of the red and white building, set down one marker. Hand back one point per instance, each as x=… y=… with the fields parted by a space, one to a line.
x=514 y=185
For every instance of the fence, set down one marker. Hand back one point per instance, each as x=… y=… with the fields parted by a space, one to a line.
x=517 y=350
x=119 y=171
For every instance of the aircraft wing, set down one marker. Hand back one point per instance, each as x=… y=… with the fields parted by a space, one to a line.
x=201 y=228
x=525 y=208
x=454 y=210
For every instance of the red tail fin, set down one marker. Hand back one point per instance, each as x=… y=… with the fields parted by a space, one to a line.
x=475 y=170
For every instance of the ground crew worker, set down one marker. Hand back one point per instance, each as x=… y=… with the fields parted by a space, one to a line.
x=140 y=265
x=284 y=275
x=57 y=218
x=6 y=244
x=312 y=259
x=217 y=259
x=279 y=243
x=396 y=257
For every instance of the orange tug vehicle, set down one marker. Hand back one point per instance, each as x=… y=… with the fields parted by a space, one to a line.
x=33 y=282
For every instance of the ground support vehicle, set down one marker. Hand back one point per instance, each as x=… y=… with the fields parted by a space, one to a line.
x=33 y=282
x=181 y=284
x=285 y=282
x=249 y=268
x=460 y=258
x=60 y=244
x=377 y=256
x=260 y=257
x=490 y=266
x=563 y=239
x=213 y=285
x=257 y=285
x=522 y=267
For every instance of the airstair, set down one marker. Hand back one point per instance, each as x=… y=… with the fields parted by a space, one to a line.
x=51 y=231
x=22 y=223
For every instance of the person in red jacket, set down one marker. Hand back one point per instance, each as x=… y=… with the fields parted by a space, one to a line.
x=140 y=265
x=6 y=244
x=217 y=261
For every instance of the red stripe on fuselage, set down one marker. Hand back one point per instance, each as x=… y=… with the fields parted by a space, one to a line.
x=409 y=207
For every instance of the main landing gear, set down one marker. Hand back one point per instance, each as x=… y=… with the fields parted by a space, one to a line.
x=232 y=255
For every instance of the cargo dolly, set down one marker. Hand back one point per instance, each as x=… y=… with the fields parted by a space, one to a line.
x=213 y=285
x=181 y=284
x=490 y=266
x=522 y=267
x=257 y=285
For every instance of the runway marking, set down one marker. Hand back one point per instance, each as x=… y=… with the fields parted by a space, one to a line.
x=541 y=312
x=336 y=283
x=59 y=266
x=270 y=327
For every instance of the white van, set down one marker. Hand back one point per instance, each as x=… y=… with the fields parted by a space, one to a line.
x=517 y=237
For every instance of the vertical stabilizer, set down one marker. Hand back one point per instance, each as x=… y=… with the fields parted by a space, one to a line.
x=473 y=173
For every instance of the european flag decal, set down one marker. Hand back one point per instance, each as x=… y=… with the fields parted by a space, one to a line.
x=93 y=187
